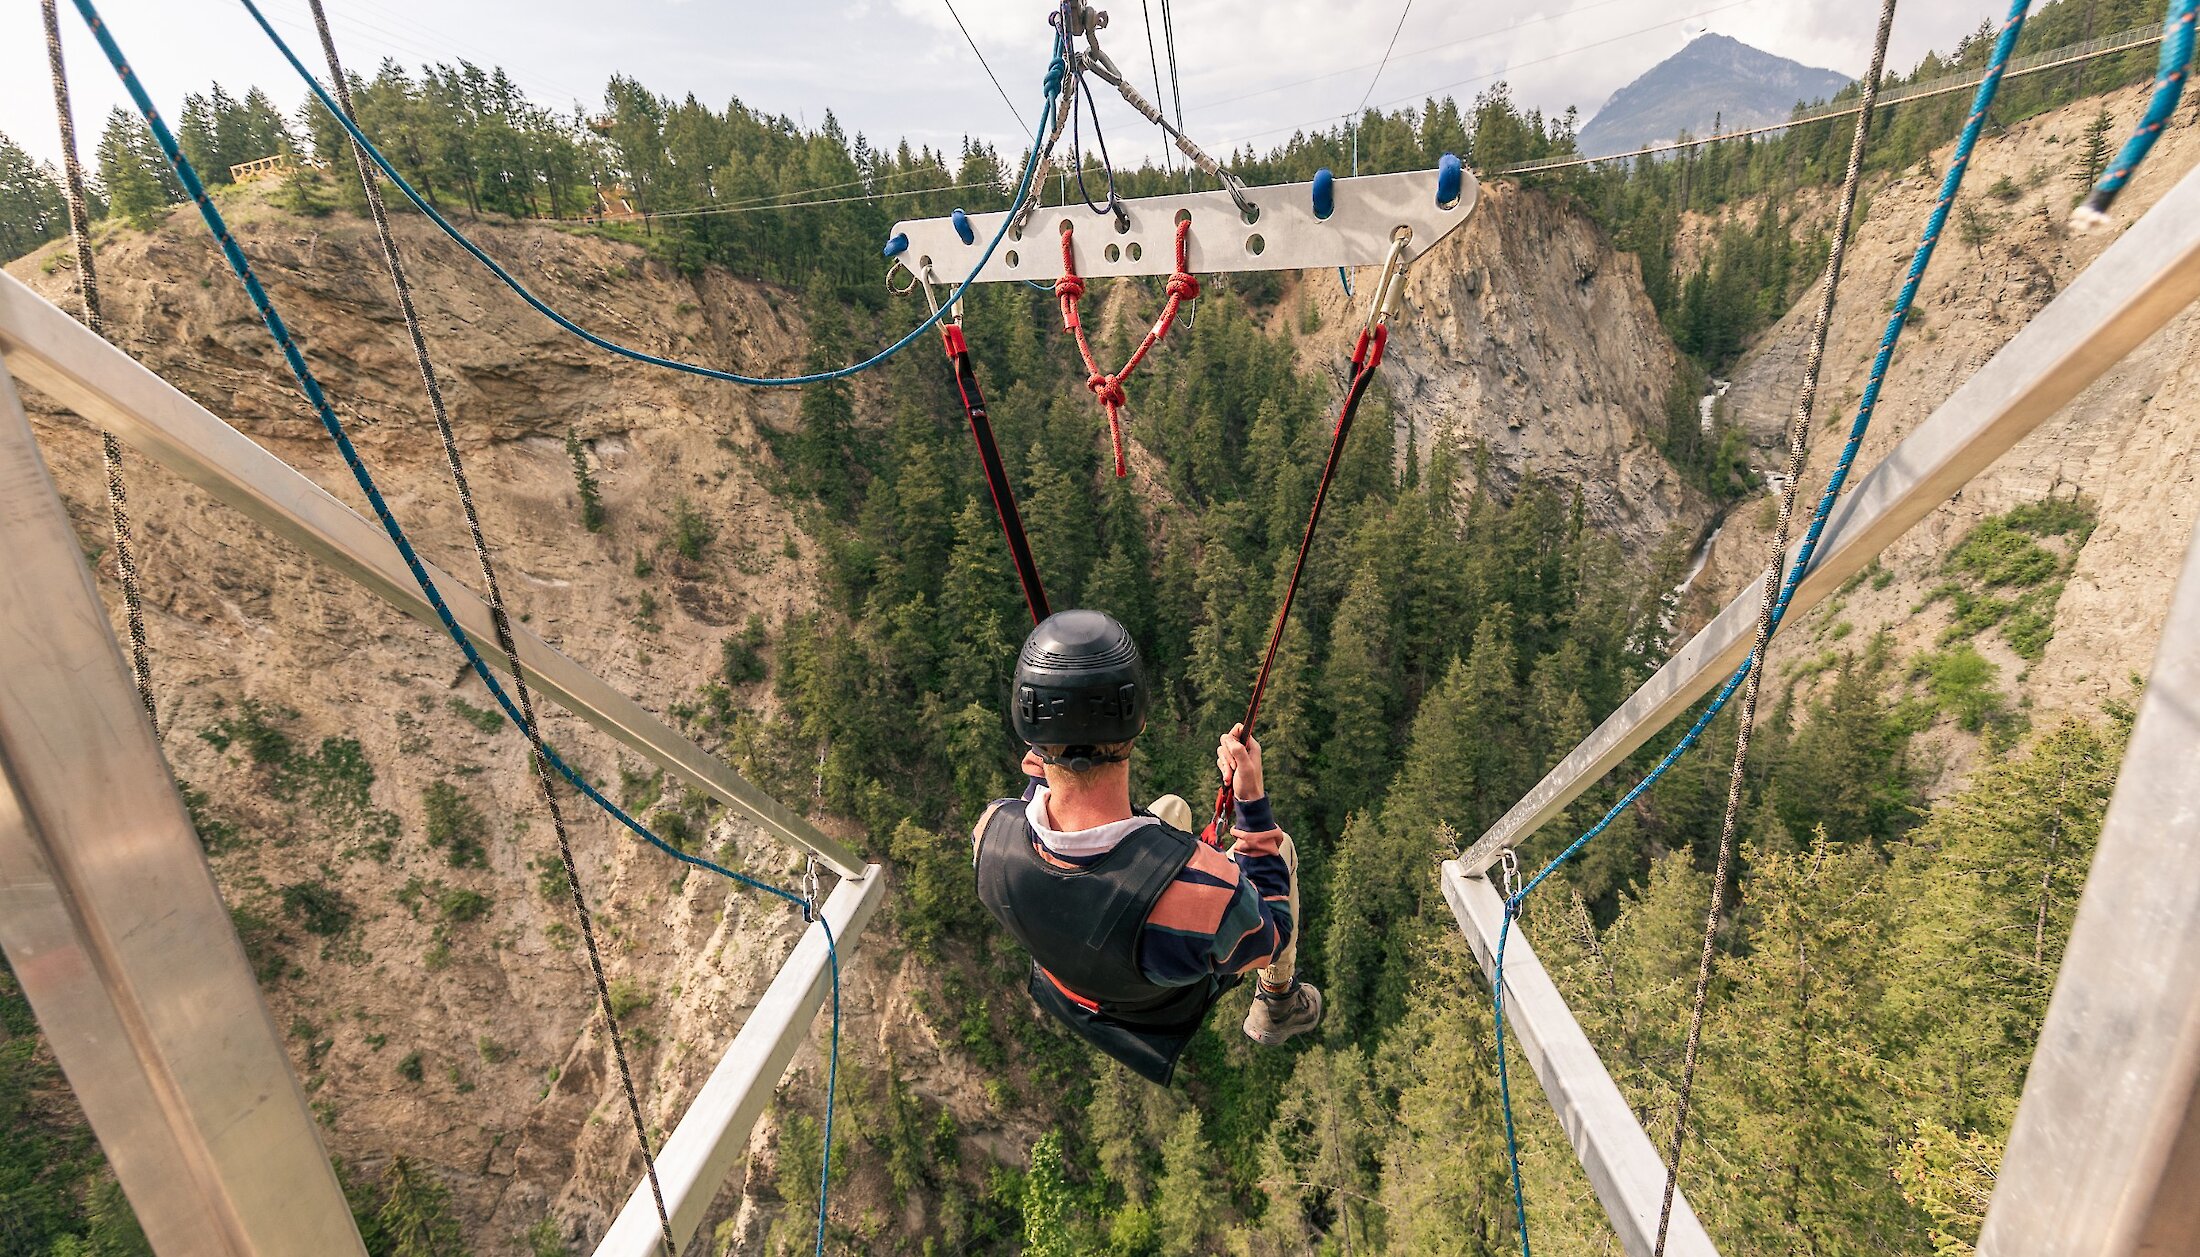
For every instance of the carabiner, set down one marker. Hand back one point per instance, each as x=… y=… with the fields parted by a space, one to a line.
x=1392 y=279
x=953 y=315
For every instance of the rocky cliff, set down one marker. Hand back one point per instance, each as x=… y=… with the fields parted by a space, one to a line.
x=2126 y=447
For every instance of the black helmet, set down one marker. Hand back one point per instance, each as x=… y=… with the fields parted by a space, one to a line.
x=1079 y=685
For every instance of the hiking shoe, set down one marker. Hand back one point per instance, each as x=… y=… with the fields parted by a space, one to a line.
x=1277 y=1018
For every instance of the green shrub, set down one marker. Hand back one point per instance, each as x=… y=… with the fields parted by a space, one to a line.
x=629 y=996
x=455 y=825
x=457 y=903
x=739 y=662
x=263 y=945
x=410 y=1068
x=486 y=719
x=691 y=533
x=544 y=1239
x=320 y=907
x=1962 y=684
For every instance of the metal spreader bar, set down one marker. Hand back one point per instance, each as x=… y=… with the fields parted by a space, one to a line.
x=1282 y=230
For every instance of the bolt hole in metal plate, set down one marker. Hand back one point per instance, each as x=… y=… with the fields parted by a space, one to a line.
x=1368 y=210
x=1255 y=245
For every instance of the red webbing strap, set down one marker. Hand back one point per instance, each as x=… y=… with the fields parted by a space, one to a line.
x=1070 y=289
x=996 y=476
x=1366 y=355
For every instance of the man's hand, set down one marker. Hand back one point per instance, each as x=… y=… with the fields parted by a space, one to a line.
x=1239 y=759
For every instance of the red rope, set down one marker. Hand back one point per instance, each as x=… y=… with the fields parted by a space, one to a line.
x=1366 y=356
x=1070 y=290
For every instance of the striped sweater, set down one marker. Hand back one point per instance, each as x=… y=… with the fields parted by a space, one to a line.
x=1226 y=912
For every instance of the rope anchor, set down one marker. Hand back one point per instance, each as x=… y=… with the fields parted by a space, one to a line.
x=1183 y=287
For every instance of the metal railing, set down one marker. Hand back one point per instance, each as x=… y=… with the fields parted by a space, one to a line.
x=108 y=910
x=2102 y=1161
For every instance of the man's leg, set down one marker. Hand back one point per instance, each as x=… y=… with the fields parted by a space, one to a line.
x=1284 y=1008
x=1277 y=976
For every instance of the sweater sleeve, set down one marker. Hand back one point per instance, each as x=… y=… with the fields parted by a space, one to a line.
x=1226 y=913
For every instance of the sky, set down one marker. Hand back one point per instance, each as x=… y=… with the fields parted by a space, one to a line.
x=1252 y=71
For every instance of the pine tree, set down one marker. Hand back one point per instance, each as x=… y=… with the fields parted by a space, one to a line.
x=32 y=209
x=975 y=613
x=1047 y=1202
x=1354 y=763
x=1991 y=884
x=2093 y=152
x=416 y=1213
x=1782 y=1095
x=585 y=483
x=1184 y=1196
x=136 y=178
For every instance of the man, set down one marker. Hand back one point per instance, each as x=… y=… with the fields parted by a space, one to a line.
x=1135 y=927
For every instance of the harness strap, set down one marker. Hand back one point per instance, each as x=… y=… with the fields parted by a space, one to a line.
x=996 y=476
x=1070 y=290
x=1366 y=356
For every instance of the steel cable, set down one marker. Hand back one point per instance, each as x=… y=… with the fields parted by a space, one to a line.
x=1746 y=720
x=498 y=616
x=110 y=449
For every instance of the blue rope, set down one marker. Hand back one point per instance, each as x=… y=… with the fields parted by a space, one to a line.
x=832 y=1086
x=1023 y=190
x=311 y=387
x=1504 y=1083
x=1935 y=223
x=2169 y=85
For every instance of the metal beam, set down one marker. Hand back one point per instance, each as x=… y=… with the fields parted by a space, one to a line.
x=66 y=361
x=2104 y=1157
x=1622 y=1166
x=112 y=922
x=1286 y=236
x=714 y=1134
x=2141 y=282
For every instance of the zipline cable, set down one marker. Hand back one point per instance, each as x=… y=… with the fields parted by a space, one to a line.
x=110 y=449
x=1176 y=86
x=310 y=386
x=1145 y=7
x=1935 y=223
x=494 y=595
x=1055 y=72
x=983 y=64
x=1746 y=718
x=1384 y=64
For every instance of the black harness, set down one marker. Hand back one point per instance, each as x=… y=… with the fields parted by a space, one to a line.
x=1082 y=928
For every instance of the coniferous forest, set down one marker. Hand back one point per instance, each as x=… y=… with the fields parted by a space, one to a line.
x=1451 y=642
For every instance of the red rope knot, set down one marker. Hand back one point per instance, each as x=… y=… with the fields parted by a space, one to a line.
x=1070 y=289
x=1109 y=389
x=1183 y=287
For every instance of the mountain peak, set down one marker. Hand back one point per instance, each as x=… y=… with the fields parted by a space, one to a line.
x=1715 y=80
